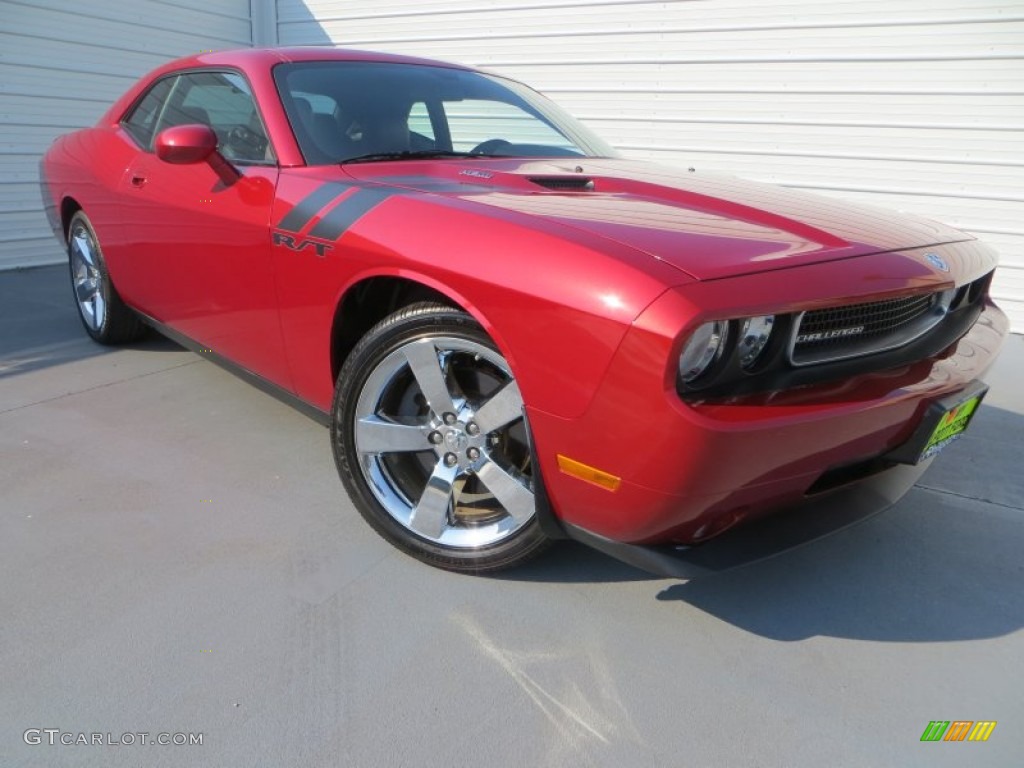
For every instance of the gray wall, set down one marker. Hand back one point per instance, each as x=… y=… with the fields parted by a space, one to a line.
x=911 y=104
x=62 y=65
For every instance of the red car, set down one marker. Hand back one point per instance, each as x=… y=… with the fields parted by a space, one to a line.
x=514 y=334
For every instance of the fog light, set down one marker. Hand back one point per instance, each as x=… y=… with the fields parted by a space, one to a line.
x=754 y=335
x=704 y=348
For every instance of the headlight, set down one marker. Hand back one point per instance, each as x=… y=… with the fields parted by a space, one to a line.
x=754 y=335
x=704 y=348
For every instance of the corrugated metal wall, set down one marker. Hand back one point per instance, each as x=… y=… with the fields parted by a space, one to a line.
x=911 y=104
x=61 y=66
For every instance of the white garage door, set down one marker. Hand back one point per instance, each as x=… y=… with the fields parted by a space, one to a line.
x=61 y=66
x=911 y=104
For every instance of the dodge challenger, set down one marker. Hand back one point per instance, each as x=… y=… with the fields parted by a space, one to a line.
x=514 y=334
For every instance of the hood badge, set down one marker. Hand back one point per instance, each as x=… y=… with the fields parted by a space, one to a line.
x=937 y=261
x=476 y=174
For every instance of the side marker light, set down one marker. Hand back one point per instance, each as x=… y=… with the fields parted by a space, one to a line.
x=588 y=474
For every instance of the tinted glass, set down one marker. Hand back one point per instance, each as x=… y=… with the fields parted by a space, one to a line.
x=223 y=101
x=141 y=121
x=397 y=108
x=474 y=121
x=419 y=122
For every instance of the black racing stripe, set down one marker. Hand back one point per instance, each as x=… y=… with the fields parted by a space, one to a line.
x=307 y=208
x=348 y=212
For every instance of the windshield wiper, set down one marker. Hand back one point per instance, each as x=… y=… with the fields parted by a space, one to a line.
x=408 y=154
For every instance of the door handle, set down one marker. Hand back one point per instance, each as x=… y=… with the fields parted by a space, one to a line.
x=138 y=181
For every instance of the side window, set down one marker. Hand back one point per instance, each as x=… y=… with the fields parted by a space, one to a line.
x=141 y=121
x=319 y=103
x=223 y=101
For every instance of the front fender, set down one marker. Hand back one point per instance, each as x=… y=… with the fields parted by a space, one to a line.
x=556 y=305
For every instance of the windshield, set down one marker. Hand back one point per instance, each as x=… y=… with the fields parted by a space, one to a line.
x=356 y=111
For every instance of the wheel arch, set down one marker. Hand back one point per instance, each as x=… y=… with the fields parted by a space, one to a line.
x=370 y=298
x=69 y=206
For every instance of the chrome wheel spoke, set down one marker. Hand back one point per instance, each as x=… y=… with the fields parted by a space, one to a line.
x=505 y=407
x=99 y=307
x=426 y=368
x=83 y=248
x=86 y=278
x=513 y=495
x=375 y=435
x=85 y=289
x=430 y=515
x=437 y=467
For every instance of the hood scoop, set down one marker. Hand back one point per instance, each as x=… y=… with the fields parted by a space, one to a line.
x=564 y=183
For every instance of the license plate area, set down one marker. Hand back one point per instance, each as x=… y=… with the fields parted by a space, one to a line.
x=943 y=423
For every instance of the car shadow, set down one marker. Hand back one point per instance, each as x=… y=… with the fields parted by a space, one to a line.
x=41 y=325
x=569 y=562
x=935 y=568
x=942 y=565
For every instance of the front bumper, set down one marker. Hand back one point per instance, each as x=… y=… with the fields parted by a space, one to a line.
x=809 y=521
x=691 y=473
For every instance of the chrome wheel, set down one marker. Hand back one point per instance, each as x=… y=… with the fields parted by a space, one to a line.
x=87 y=277
x=441 y=442
x=106 y=318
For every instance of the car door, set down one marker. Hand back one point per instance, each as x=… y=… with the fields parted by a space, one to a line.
x=199 y=235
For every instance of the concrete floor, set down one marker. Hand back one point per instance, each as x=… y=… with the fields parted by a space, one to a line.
x=178 y=555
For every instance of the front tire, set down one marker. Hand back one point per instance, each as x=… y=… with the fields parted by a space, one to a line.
x=105 y=316
x=431 y=441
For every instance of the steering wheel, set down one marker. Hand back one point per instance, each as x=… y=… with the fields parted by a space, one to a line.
x=489 y=147
x=246 y=143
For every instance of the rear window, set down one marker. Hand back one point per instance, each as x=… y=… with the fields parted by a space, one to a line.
x=141 y=121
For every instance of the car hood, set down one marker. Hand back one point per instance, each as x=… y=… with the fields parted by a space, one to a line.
x=707 y=225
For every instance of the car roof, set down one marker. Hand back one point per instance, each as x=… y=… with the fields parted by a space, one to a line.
x=267 y=57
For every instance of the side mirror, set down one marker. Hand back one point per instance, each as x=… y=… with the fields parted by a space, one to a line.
x=186 y=144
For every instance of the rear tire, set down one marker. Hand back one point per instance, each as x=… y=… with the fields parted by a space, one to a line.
x=105 y=316
x=431 y=441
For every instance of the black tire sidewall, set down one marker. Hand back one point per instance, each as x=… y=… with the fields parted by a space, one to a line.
x=98 y=334
x=120 y=324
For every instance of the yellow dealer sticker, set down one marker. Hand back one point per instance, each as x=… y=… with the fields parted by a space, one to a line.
x=950 y=427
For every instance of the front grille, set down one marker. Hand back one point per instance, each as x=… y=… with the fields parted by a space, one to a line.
x=838 y=333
